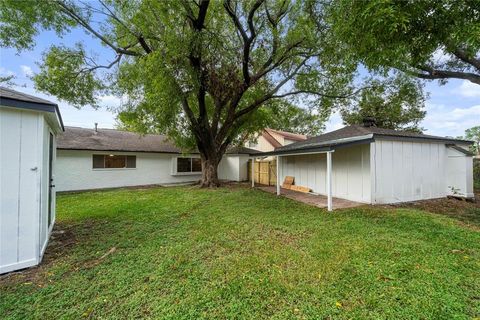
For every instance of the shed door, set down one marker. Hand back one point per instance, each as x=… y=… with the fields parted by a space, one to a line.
x=50 y=180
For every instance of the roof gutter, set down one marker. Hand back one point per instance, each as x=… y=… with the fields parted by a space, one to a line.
x=439 y=139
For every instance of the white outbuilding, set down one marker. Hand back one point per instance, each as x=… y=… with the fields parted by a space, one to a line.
x=28 y=127
x=374 y=165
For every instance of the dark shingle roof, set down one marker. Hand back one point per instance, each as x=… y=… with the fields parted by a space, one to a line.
x=75 y=138
x=20 y=96
x=358 y=133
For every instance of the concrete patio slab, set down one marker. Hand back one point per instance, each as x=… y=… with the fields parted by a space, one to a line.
x=310 y=198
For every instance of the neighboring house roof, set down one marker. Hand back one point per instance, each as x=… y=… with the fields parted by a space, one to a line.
x=269 y=135
x=75 y=138
x=287 y=135
x=16 y=99
x=271 y=139
x=355 y=134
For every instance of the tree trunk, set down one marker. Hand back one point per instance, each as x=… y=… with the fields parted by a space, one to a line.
x=210 y=172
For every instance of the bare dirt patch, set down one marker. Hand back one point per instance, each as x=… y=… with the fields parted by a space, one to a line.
x=62 y=240
x=467 y=212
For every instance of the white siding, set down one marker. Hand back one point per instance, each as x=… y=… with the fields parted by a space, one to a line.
x=75 y=172
x=407 y=171
x=459 y=173
x=350 y=172
x=233 y=168
x=21 y=187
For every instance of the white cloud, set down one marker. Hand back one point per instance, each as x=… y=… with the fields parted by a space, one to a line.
x=110 y=101
x=443 y=121
x=334 y=123
x=6 y=73
x=469 y=89
x=27 y=71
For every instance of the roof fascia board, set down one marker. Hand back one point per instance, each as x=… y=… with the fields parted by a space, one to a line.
x=433 y=139
x=36 y=106
x=324 y=146
x=7 y=102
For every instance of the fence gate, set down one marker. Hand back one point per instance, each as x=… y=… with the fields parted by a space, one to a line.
x=265 y=172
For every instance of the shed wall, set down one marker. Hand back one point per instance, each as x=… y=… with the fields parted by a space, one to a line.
x=350 y=172
x=459 y=173
x=408 y=171
x=20 y=171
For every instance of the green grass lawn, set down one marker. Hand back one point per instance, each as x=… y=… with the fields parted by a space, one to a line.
x=236 y=253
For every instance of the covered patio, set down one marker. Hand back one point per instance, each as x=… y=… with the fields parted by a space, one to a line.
x=329 y=171
x=316 y=200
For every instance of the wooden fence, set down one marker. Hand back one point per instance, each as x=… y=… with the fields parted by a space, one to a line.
x=265 y=172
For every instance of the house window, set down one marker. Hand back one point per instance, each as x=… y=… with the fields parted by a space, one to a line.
x=189 y=165
x=111 y=161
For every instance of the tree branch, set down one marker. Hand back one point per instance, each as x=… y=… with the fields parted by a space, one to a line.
x=247 y=40
x=269 y=95
x=72 y=14
x=433 y=74
x=462 y=55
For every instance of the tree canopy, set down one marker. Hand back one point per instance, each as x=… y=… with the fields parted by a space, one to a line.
x=395 y=103
x=200 y=71
x=425 y=38
x=474 y=135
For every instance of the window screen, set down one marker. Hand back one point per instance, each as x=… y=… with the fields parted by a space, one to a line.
x=131 y=161
x=98 y=161
x=189 y=165
x=110 y=161
x=184 y=164
x=196 y=165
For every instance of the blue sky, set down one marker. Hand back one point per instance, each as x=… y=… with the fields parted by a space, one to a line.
x=451 y=108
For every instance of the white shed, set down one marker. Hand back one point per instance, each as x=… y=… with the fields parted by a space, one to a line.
x=28 y=126
x=378 y=166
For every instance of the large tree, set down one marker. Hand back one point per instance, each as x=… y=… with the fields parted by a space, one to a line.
x=287 y=116
x=425 y=38
x=473 y=134
x=199 y=71
x=397 y=102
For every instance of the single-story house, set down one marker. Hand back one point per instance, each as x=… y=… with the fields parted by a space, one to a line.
x=378 y=166
x=106 y=158
x=28 y=130
x=270 y=139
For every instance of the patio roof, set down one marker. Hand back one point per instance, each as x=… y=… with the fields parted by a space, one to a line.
x=355 y=134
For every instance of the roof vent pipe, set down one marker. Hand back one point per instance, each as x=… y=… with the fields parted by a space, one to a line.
x=369 y=122
x=96 y=127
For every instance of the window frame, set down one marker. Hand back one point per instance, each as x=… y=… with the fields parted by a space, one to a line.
x=118 y=155
x=175 y=171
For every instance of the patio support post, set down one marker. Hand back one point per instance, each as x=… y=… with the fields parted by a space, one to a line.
x=329 y=180
x=278 y=175
x=253 y=173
